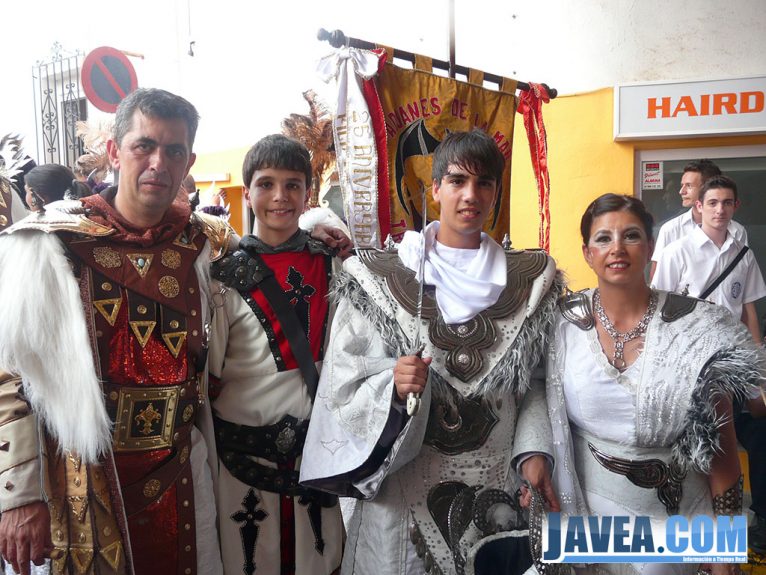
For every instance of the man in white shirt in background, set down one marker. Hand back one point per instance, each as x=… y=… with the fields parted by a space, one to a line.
x=693 y=263
x=695 y=174
x=696 y=260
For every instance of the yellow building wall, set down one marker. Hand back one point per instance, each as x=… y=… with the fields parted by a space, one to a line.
x=584 y=162
x=224 y=162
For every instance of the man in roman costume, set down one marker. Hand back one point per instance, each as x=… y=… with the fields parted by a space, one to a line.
x=104 y=315
x=429 y=483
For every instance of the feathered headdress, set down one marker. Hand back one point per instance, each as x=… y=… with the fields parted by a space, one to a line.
x=12 y=157
x=315 y=132
x=94 y=163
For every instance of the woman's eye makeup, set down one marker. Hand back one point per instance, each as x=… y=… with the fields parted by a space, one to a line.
x=628 y=237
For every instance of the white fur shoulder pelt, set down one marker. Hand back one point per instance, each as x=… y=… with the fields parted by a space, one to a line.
x=44 y=339
x=18 y=211
x=325 y=216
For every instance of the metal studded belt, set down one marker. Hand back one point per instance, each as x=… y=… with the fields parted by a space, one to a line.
x=149 y=417
x=282 y=481
x=280 y=442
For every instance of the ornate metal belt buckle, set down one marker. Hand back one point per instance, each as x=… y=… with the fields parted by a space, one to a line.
x=648 y=473
x=285 y=440
x=145 y=418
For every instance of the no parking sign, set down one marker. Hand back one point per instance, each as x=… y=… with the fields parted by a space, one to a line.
x=107 y=77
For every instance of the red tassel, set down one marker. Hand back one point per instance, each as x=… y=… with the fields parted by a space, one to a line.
x=531 y=108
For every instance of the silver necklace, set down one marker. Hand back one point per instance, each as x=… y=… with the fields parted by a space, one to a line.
x=620 y=339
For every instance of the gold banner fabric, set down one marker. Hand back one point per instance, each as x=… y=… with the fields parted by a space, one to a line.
x=419 y=109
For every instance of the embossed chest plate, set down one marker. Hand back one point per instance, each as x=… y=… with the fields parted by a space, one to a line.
x=462 y=342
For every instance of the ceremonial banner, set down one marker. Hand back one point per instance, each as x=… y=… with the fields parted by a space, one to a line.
x=419 y=108
x=358 y=131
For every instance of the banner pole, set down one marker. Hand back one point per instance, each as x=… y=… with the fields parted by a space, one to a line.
x=337 y=38
x=452 y=39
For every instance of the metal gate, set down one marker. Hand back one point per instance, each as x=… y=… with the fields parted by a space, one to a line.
x=59 y=105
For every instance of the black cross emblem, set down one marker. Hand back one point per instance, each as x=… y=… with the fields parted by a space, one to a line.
x=315 y=519
x=249 y=530
x=299 y=296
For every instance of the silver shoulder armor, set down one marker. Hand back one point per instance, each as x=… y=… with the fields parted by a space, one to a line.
x=677 y=306
x=576 y=308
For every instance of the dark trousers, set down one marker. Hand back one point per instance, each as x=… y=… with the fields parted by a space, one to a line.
x=751 y=433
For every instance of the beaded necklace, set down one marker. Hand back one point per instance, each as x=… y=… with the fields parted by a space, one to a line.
x=620 y=339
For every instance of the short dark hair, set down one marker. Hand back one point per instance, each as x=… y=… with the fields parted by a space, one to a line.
x=615 y=203
x=52 y=181
x=279 y=152
x=718 y=182
x=474 y=151
x=155 y=103
x=706 y=168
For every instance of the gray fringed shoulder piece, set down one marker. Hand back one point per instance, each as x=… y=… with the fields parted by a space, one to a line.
x=513 y=372
x=729 y=372
x=346 y=286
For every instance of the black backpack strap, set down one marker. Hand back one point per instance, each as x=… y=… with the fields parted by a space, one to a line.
x=724 y=274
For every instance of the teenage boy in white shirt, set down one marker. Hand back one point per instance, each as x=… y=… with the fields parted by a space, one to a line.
x=695 y=174
x=695 y=261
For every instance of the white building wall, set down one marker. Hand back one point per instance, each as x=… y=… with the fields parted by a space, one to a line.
x=252 y=60
x=580 y=45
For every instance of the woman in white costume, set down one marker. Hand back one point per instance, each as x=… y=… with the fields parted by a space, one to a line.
x=640 y=388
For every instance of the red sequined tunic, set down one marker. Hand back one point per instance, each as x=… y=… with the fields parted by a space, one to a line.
x=140 y=292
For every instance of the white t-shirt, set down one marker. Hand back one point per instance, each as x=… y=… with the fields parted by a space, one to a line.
x=695 y=262
x=681 y=226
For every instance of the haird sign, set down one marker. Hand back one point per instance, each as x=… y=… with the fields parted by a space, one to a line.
x=681 y=109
